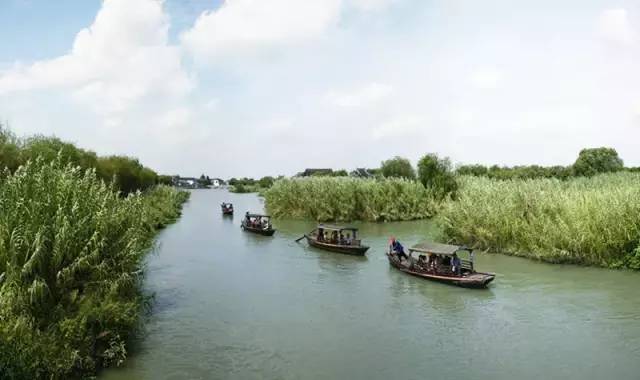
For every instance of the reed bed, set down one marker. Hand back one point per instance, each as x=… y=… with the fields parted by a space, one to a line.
x=71 y=260
x=346 y=199
x=592 y=221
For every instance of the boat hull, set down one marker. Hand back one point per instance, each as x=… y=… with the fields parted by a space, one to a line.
x=356 y=250
x=476 y=280
x=227 y=212
x=259 y=231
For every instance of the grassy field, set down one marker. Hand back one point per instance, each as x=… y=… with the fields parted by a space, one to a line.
x=345 y=199
x=71 y=260
x=592 y=221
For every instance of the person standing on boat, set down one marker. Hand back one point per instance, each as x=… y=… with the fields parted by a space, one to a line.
x=455 y=264
x=398 y=249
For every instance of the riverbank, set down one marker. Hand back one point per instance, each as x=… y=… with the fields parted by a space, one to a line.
x=71 y=256
x=589 y=221
x=346 y=199
x=580 y=220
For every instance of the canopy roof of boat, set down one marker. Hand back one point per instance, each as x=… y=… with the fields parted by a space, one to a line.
x=437 y=248
x=333 y=227
x=227 y=204
x=257 y=216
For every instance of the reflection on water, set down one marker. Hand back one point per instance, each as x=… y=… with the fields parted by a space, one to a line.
x=235 y=305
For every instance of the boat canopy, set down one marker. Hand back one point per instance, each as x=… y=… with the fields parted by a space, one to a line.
x=336 y=228
x=225 y=204
x=257 y=216
x=437 y=248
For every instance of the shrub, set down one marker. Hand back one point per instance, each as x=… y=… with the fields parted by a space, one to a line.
x=71 y=254
x=397 y=167
x=437 y=175
x=594 y=221
x=598 y=160
x=345 y=199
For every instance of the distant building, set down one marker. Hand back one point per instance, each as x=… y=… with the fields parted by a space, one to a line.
x=312 y=172
x=187 y=182
x=362 y=173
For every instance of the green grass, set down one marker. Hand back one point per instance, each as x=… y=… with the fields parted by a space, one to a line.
x=592 y=221
x=346 y=199
x=71 y=260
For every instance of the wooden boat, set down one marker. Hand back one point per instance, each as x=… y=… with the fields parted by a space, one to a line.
x=227 y=208
x=350 y=244
x=258 y=224
x=433 y=264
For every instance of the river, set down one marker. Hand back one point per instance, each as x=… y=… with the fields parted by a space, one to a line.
x=234 y=305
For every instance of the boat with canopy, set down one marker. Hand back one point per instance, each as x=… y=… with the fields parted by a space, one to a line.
x=257 y=223
x=341 y=239
x=227 y=208
x=437 y=261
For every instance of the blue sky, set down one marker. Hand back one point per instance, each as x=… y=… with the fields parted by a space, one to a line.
x=191 y=86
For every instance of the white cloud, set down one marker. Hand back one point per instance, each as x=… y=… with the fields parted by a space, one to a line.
x=614 y=26
x=244 y=25
x=486 y=78
x=400 y=127
x=369 y=94
x=122 y=58
x=371 y=5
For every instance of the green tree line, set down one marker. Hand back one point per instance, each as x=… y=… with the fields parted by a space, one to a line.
x=126 y=173
x=589 y=163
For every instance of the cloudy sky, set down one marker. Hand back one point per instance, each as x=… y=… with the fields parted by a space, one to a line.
x=259 y=87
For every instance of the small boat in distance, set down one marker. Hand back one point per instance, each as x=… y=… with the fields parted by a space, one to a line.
x=258 y=224
x=436 y=262
x=342 y=239
x=227 y=208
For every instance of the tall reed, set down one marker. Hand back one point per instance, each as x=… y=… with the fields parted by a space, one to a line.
x=71 y=253
x=345 y=199
x=593 y=221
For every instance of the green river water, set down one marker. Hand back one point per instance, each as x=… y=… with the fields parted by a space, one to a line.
x=234 y=305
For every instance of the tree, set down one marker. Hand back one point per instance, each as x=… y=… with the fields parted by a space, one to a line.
x=165 y=180
x=9 y=150
x=266 y=182
x=340 y=173
x=398 y=167
x=50 y=147
x=475 y=170
x=127 y=173
x=437 y=174
x=597 y=160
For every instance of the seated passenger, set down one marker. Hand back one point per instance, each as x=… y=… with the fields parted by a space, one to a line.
x=342 y=242
x=422 y=260
x=320 y=236
x=348 y=240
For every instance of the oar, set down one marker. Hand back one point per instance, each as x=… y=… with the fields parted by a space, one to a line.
x=300 y=238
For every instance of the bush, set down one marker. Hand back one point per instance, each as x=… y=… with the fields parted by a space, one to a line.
x=71 y=254
x=598 y=160
x=397 y=167
x=126 y=173
x=9 y=150
x=594 y=221
x=437 y=175
x=345 y=199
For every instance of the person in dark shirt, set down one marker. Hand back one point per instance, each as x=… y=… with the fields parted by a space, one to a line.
x=398 y=249
x=455 y=264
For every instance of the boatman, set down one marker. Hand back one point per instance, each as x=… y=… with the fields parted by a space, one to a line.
x=455 y=264
x=398 y=249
